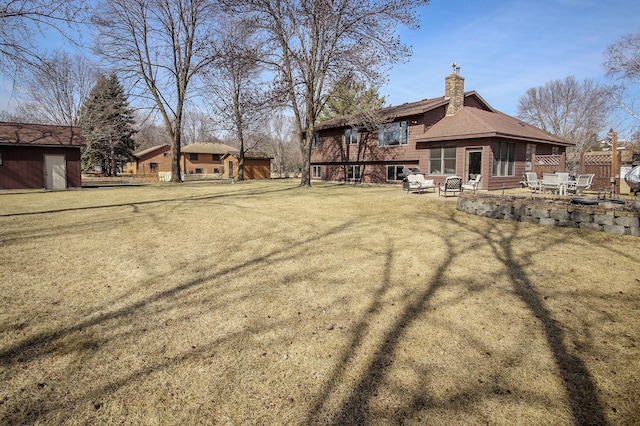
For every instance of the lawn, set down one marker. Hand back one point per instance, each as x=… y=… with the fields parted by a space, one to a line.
x=266 y=303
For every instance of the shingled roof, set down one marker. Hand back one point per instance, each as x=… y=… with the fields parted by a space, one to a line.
x=474 y=123
x=40 y=135
x=387 y=113
x=209 y=148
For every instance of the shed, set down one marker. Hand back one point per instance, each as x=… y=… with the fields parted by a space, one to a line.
x=40 y=156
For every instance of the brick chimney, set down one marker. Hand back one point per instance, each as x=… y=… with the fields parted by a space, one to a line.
x=454 y=90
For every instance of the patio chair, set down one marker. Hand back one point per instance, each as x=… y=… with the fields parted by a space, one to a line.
x=531 y=181
x=452 y=185
x=581 y=183
x=419 y=183
x=550 y=182
x=473 y=184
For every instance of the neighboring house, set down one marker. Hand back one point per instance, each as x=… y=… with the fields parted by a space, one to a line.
x=40 y=156
x=151 y=160
x=205 y=158
x=202 y=158
x=257 y=165
x=457 y=134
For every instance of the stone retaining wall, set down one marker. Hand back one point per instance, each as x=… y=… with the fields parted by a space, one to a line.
x=614 y=219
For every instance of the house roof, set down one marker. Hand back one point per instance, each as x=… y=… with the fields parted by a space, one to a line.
x=473 y=123
x=209 y=148
x=251 y=155
x=40 y=135
x=151 y=149
x=468 y=123
x=388 y=113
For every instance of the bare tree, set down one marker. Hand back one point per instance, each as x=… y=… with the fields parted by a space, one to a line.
x=56 y=89
x=310 y=44
x=284 y=148
x=22 y=20
x=198 y=126
x=148 y=132
x=239 y=103
x=163 y=45
x=623 y=67
x=577 y=112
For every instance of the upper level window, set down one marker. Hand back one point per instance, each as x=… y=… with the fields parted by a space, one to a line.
x=504 y=157
x=315 y=141
x=351 y=136
x=442 y=160
x=215 y=157
x=393 y=134
x=193 y=156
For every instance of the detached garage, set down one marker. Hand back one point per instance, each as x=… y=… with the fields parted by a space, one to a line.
x=40 y=156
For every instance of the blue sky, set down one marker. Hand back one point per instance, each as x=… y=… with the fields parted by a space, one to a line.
x=503 y=47
x=506 y=47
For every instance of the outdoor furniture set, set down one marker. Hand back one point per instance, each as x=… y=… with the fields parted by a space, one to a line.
x=452 y=184
x=557 y=183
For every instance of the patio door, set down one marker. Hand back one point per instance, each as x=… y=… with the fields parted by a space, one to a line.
x=55 y=172
x=473 y=163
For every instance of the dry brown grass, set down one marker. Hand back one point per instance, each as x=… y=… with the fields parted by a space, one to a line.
x=265 y=303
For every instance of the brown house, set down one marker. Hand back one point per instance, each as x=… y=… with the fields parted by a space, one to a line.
x=202 y=158
x=458 y=134
x=151 y=160
x=40 y=156
x=205 y=158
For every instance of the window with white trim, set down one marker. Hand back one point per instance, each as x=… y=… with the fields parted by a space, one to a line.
x=394 y=173
x=504 y=159
x=353 y=172
x=316 y=172
x=315 y=140
x=393 y=134
x=351 y=136
x=442 y=160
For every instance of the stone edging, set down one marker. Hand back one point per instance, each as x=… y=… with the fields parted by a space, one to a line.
x=525 y=209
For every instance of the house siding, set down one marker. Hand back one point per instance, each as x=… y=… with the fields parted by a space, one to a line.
x=23 y=166
x=205 y=163
x=161 y=157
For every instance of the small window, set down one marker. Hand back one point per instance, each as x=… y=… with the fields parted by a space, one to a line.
x=316 y=172
x=353 y=173
x=198 y=171
x=0 y=159
x=193 y=156
x=153 y=167
x=351 y=136
x=165 y=154
x=216 y=170
x=555 y=150
x=315 y=141
x=215 y=157
x=394 y=173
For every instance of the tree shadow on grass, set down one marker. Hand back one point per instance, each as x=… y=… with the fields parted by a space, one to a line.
x=578 y=382
x=355 y=407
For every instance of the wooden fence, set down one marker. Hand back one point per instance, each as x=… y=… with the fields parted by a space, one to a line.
x=598 y=163
x=549 y=163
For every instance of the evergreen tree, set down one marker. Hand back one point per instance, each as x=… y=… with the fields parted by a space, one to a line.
x=351 y=97
x=107 y=122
